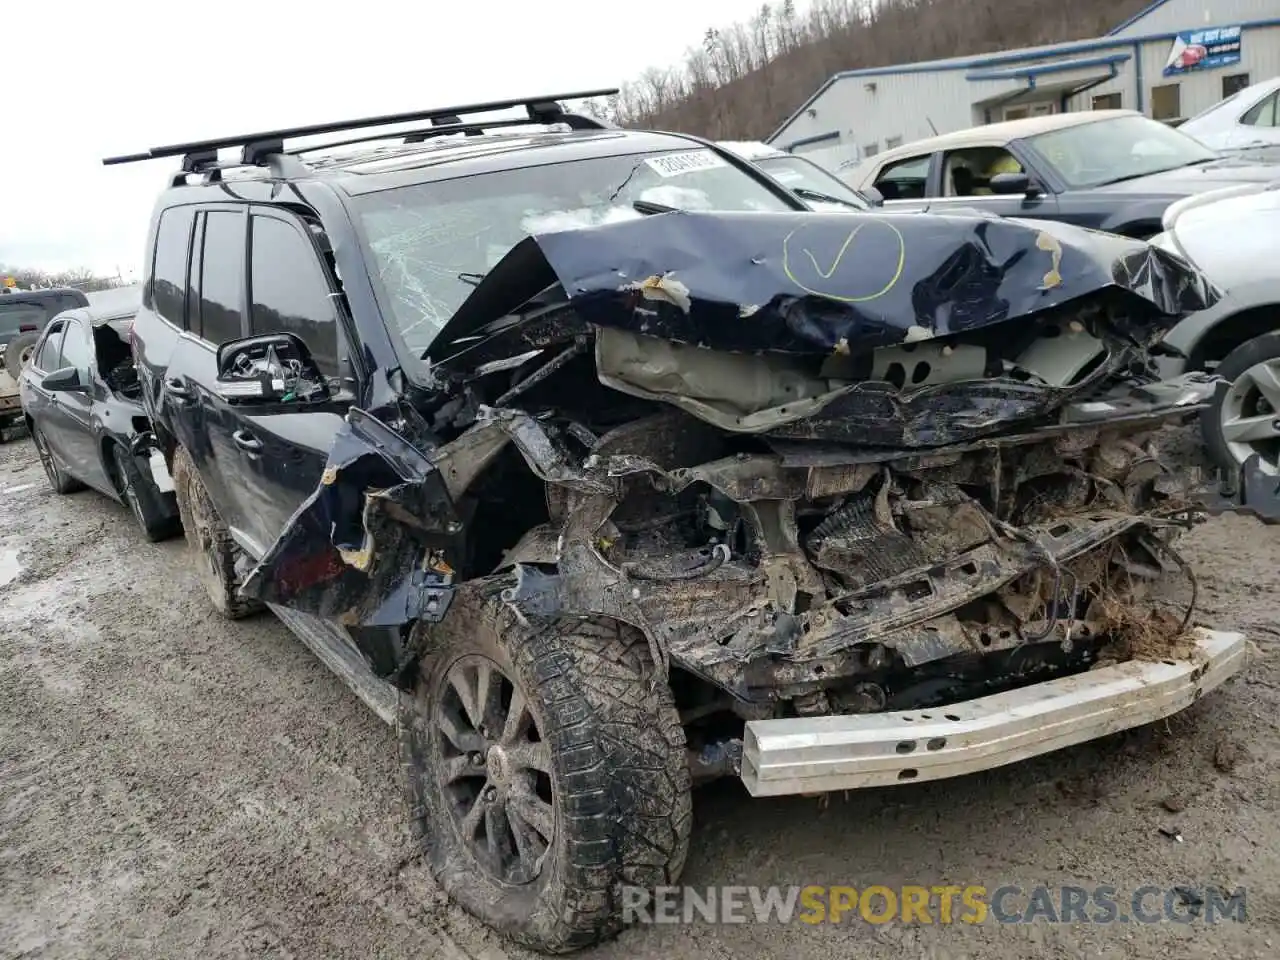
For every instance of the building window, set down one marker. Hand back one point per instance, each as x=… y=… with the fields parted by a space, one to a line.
x=871 y=149
x=1166 y=102
x=1108 y=101
x=893 y=142
x=1234 y=83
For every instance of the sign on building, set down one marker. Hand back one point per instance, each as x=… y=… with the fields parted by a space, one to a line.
x=1203 y=50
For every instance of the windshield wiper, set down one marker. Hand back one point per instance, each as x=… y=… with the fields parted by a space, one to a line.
x=804 y=193
x=1152 y=173
x=648 y=207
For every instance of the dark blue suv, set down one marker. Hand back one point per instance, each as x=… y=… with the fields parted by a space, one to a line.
x=597 y=463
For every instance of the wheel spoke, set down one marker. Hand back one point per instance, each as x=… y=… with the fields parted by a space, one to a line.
x=461 y=768
x=458 y=732
x=1267 y=379
x=1250 y=429
x=534 y=811
x=530 y=847
x=530 y=756
x=471 y=822
x=476 y=686
x=497 y=839
x=518 y=718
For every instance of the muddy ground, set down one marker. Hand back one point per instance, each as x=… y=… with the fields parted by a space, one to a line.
x=174 y=786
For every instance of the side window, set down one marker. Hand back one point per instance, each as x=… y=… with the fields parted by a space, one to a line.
x=222 y=277
x=77 y=351
x=968 y=173
x=289 y=291
x=905 y=179
x=47 y=358
x=1263 y=114
x=168 y=290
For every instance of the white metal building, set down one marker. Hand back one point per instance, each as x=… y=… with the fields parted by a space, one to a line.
x=1172 y=60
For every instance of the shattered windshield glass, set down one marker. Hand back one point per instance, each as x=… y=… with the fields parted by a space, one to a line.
x=431 y=243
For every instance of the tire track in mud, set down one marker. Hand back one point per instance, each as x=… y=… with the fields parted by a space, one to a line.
x=175 y=786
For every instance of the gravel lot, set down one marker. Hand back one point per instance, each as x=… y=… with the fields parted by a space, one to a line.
x=175 y=786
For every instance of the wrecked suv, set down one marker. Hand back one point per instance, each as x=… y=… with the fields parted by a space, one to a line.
x=600 y=467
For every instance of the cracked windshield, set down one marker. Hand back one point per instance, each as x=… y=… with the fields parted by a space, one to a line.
x=434 y=242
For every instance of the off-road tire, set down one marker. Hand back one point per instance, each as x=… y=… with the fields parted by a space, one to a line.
x=16 y=348
x=143 y=498
x=212 y=549
x=620 y=790
x=59 y=480
x=1246 y=355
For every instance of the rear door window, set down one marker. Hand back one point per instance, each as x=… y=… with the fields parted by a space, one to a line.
x=168 y=290
x=222 y=277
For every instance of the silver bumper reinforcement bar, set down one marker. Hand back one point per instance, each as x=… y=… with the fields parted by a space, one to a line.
x=821 y=754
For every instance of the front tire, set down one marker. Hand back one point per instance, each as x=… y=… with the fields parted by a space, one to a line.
x=545 y=770
x=1246 y=419
x=210 y=541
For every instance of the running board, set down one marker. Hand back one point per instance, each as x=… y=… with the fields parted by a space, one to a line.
x=336 y=651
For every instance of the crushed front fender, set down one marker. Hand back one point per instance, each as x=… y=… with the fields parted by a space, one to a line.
x=369 y=547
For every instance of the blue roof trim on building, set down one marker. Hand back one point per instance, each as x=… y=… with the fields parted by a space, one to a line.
x=1150 y=8
x=1039 y=69
x=995 y=59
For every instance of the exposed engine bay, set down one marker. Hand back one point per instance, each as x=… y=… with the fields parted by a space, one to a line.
x=809 y=503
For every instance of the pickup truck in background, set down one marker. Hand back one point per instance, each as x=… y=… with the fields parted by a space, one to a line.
x=23 y=315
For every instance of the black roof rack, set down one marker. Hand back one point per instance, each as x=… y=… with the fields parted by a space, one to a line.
x=256 y=148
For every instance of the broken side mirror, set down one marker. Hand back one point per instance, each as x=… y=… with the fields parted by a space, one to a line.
x=1012 y=184
x=270 y=368
x=66 y=380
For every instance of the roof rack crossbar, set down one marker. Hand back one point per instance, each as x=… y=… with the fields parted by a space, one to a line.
x=535 y=106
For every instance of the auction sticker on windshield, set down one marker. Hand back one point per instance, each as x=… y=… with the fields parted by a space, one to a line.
x=675 y=164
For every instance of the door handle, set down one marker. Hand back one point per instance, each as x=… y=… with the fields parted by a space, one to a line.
x=175 y=388
x=247 y=441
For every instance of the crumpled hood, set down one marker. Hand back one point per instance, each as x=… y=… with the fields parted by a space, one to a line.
x=817 y=283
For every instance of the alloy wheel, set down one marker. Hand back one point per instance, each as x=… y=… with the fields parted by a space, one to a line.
x=494 y=770
x=1250 y=415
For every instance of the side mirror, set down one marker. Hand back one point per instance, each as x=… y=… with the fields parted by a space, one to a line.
x=873 y=196
x=272 y=368
x=66 y=380
x=1012 y=184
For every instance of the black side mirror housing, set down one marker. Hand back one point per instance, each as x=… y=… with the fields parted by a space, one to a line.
x=66 y=380
x=1012 y=184
x=269 y=368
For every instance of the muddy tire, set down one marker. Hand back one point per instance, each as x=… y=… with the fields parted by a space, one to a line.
x=144 y=500
x=59 y=480
x=212 y=548
x=533 y=818
x=18 y=352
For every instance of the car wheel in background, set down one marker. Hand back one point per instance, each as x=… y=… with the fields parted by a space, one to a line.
x=142 y=497
x=213 y=550
x=18 y=352
x=1246 y=418
x=59 y=479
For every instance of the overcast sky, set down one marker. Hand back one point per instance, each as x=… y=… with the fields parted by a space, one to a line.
x=88 y=80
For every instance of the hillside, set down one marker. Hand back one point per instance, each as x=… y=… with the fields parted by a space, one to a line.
x=745 y=80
